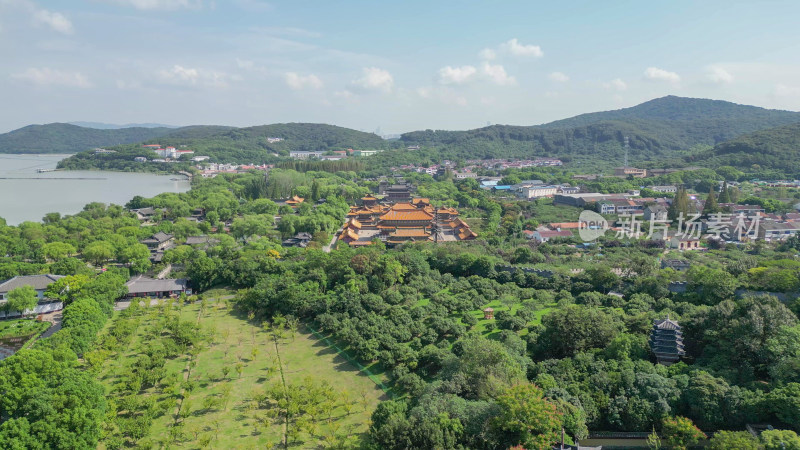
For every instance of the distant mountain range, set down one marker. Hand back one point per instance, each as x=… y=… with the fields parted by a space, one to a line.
x=664 y=130
x=66 y=138
x=113 y=126
x=660 y=129
x=776 y=149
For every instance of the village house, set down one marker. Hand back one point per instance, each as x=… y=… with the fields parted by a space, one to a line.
x=630 y=171
x=143 y=286
x=305 y=154
x=564 y=226
x=159 y=241
x=299 y=240
x=777 y=231
x=664 y=189
x=655 y=213
x=39 y=283
x=679 y=265
x=685 y=243
x=569 y=189
x=537 y=191
x=146 y=214
x=541 y=236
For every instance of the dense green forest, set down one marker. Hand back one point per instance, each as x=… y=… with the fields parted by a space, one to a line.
x=776 y=149
x=66 y=138
x=123 y=160
x=250 y=145
x=659 y=129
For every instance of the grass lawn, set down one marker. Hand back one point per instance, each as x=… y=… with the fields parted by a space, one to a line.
x=499 y=306
x=21 y=327
x=223 y=408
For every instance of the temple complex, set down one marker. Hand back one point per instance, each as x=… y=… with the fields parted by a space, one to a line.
x=399 y=222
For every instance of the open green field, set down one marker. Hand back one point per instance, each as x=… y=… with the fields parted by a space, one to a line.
x=239 y=386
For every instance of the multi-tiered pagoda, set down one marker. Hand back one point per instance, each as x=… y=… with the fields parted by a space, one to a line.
x=666 y=341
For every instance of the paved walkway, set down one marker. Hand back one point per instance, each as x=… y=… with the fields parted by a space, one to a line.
x=327 y=248
x=54 y=318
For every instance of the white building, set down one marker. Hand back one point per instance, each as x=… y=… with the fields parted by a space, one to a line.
x=537 y=191
x=304 y=155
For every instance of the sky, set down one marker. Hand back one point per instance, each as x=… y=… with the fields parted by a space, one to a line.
x=395 y=66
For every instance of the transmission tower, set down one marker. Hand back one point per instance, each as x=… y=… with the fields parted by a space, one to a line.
x=627 y=147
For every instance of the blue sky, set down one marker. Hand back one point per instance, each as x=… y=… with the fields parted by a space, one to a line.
x=400 y=66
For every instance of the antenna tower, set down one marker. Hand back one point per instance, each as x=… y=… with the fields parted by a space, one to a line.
x=627 y=147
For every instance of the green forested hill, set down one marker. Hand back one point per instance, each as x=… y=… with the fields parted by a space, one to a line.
x=658 y=129
x=775 y=149
x=66 y=138
x=250 y=144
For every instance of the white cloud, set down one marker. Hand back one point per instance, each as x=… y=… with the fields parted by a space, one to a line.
x=153 y=5
x=456 y=75
x=54 y=20
x=487 y=54
x=300 y=82
x=180 y=73
x=514 y=47
x=497 y=74
x=375 y=79
x=558 y=77
x=187 y=76
x=718 y=75
x=616 y=84
x=656 y=74
x=50 y=77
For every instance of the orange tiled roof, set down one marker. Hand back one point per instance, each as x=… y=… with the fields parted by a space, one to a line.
x=410 y=232
x=422 y=200
x=416 y=214
x=565 y=225
x=403 y=207
x=451 y=211
x=294 y=200
x=368 y=197
x=354 y=223
x=359 y=243
x=349 y=233
x=466 y=233
x=458 y=223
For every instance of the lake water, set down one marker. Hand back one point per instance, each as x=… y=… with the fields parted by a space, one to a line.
x=28 y=195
